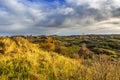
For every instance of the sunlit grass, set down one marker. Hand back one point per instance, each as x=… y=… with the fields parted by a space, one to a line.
x=25 y=61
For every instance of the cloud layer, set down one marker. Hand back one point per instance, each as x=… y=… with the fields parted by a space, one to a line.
x=63 y=17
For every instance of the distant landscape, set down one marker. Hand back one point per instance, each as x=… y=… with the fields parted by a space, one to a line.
x=85 y=57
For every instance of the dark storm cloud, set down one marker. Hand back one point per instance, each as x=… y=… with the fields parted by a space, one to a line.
x=116 y=12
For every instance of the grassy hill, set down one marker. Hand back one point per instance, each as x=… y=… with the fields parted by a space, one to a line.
x=16 y=45
x=23 y=60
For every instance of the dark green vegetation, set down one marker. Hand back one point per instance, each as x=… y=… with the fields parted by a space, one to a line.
x=71 y=46
x=60 y=58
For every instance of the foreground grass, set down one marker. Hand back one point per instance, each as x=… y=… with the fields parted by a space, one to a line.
x=104 y=67
x=41 y=66
x=50 y=66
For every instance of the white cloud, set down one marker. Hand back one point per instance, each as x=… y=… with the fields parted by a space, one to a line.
x=65 y=11
x=73 y=17
x=98 y=4
x=14 y=5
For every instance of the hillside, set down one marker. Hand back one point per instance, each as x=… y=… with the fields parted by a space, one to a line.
x=70 y=46
x=23 y=60
x=16 y=45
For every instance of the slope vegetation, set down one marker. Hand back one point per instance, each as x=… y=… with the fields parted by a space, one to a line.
x=22 y=60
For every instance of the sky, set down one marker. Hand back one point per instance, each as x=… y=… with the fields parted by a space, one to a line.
x=59 y=17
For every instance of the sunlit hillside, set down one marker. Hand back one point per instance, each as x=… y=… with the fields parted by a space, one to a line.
x=16 y=45
x=23 y=60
